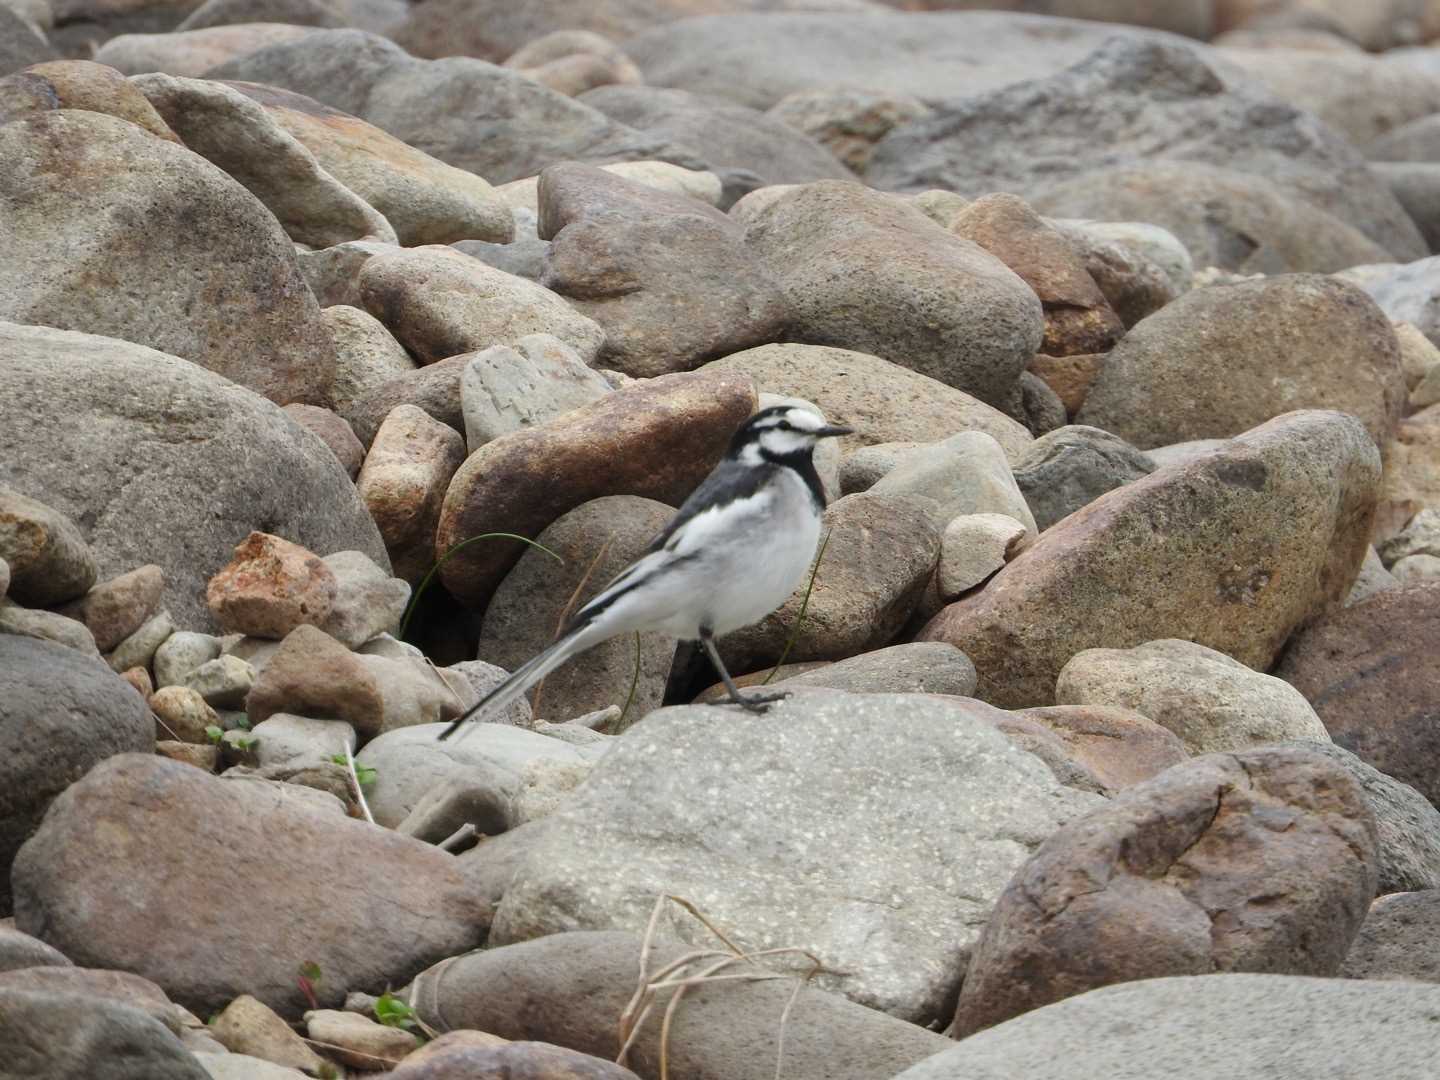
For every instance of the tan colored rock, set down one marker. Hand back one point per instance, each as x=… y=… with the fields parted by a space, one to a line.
x=366 y=355
x=657 y=438
x=974 y=546
x=1120 y=746
x=434 y=389
x=1069 y=376
x=661 y=175
x=249 y=1026
x=847 y=121
x=192 y=53
x=115 y=609
x=48 y=559
x=1418 y=353
x=139 y=678
x=1232 y=550
x=182 y=715
x=358 y=1041
x=139 y=648
x=270 y=587
x=205 y=757
x=1412 y=472
x=83 y=84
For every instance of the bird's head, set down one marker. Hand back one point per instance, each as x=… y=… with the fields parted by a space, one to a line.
x=782 y=431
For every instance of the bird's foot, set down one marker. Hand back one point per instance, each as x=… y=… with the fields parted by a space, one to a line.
x=756 y=703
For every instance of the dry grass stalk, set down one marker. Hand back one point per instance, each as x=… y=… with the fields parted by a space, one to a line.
x=355 y=782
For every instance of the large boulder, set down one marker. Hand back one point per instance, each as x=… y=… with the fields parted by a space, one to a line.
x=1233 y=550
x=60 y=1034
x=160 y=461
x=109 y=230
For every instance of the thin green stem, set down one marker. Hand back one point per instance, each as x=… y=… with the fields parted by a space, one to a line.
x=429 y=577
x=804 y=607
x=620 y=724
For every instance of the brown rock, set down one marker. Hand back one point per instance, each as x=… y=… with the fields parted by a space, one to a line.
x=182 y=714
x=657 y=439
x=1259 y=861
x=312 y=674
x=1078 y=318
x=516 y=1059
x=270 y=587
x=434 y=389
x=205 y=757
x=450 y=1041
x=1069 y=376
x=1412 y=471
x=115 y=609
x=83 y=84
x=1120 y=746
x=140 y=679
x=1035 y=738
x=1232 y=550
x=1397 y=939
x=669 y=278
x=1370 y=672
x=334 y=432
x=403 y=483
x=192 y=53
x=47 y=556
x=249 y=1026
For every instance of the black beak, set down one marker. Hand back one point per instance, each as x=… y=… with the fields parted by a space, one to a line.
x=831 y=431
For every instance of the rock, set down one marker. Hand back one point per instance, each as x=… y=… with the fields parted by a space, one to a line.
x=881 y=553
x=333 y=276
x=115 y=609
x=744 y=147
x=1255 y=538
x=1038 y=407
x=593 y=542
x=366 y=357
x=965 y=474
x=972 y=547
x=45 y=552
x=333 y=430
x=1187 y=873
x=577 y=983
x=1404 y=291
x=23 y=44
x=223 y=682
x=1417 y=187
x=284 y=739
x=270 y=587
x=181 y=653
x=368 y=601
x=357 y=1041
x=1139 y=267
x=1415 y=568
x=1073 y=466
x=523 y=196
x=103 y=986
x=46 y=626
x=234 y=133
x=744 y=869
x=1420 y=536
x=481 y=772
x=403 y=483
x=226 y=1066
x=517 y=1058
x=1078 y=318
x=510 y=126
x=206 y=758
x=425 y=200
x=1212 y=702
x=249 y=1026
x=921 y=667
x=238 y=12
x=1068 y=377
x=1339 y=352
x=671 y=280
x=656 y=439
x=1412 y=471
x=139 y=648
x=19 y=951
x=1367 y=670
x=82 y=84
x=183 y=714
x=1373 y=578
x=1396 y=941
x=1124 y=103
x=439 y=303
x=863 y=271
x=167 y=835
x=504 y=389
x=4 y=577
x=847 y=121
x=53 y=1035
x=881 y=400
x=193 y=53
x=60 y=714
x=1120 y=747
x=1311 y=1024
x=434 y=389
x=155 y=224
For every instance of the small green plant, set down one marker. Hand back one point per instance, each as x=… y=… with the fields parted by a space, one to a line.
x=365 y=774
x=214 y=734
x=429 y=577
x=242 y=722
x=393 y=1012
x=244 y=742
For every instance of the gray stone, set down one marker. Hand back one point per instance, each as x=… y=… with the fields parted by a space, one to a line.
x=366 y=355
x=368 y=601
x=290 y=12
x=19 y=951
x=1138 y=241
x=1125 y=103
x=823 y=853
x=60 y=714
x=504 y=388
x=191 y=53
x=972 y=547
x=1397 y=939
x=180 y=654
x=484 y=677
x=1073 y=466
x=1307 y=1026
x=283 y=738
x=4 y=577
x=847 y=121
x=1413 y=568
x=1406 y=292
x=45 y=552
x=523 y=256
x=46 y=626
x=523 y=196
x=54 y=1035
x=1420 y=536
x=1373 y=578
x=158 y=441
x=139 y=648
x=920 y=667
x=223 y=682
x=334 y=431
x=1417 y=186
x=965 y=474
x=434 y=389
x=21 y=44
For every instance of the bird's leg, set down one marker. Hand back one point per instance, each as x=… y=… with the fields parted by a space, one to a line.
x=756 y=703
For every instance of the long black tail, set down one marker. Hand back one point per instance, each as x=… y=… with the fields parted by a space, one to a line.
x=524 y=677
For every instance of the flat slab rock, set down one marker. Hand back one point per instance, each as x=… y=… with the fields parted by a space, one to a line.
x=874 y=830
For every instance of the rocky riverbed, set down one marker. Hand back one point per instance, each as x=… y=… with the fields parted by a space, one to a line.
x=347 y=345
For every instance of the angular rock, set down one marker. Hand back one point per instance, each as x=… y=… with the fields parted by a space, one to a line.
x=974 y=546
x=1397 y=939
x=594 y=542
x=60 y=714
x=45 y=552
x=249 y=1026
x=1073 y=466
x=333 y=430
x=1368 y=670
x=403 y=483
x=847 y=121
x=811 y=854
x=54 y=1035
x=881 y=400
x=1255 y=538
x=1338 y=352
x=656 y=439
x=1259 y=861
x=1119 y=746
x=504 y=389
x=439 y=303
x=149 y=235
x=368 y=601
x=863 y=271
x=193 y=53
x=270 y=587
x=165 y=835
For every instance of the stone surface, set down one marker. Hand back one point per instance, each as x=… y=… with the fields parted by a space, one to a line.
x=517 y=1058
x=594 y=542
x=139 y=648
x=333 y=430
x=1212 y=702
x=83 y=84
x=144 y=833
x=1137 y=99
x=249 y=1026
x=368 y=601
x=656 y=439
x=60 y=714
x=403 y=483
x=1119 y=746
x=964 y=474
x=1139 y=267
x=1068 y=377
x=822 y=853
x=23 y=44
x=366 y=357
x=235 y=12
x=1397 y=939
x=154 y=225
x=671 y=280
x=46 y=626
x=19 y=951
x=182 y=714
x=192 y=53
x=223 y=682
x=1311 y=1025
x=1266 y=347
x=863 y=271
x=504 y=389
x=847 y=121
x=1255 y=538
x=44 y=551
x=1404 y=291
x=439 y=303
x=524 y=195
x=1420 y=536
x=358 y=1041
x=1368 y=670
x=1258 y=861
x=285 y=739
x=920 y=667
x=881 y=400
x=55 y=1035
x=974 y=546
x=434 y=389
x=1073 y=466
x=576 y=984
x=181 y=653
x=270 y=586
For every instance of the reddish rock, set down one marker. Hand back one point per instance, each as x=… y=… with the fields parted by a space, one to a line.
x=1069 y=376
x=312 y=674
x=270 y=587
x=334 y=432
x=115 y=609
x=1120 y=746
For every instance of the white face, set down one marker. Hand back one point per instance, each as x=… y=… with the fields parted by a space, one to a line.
x=790 y=431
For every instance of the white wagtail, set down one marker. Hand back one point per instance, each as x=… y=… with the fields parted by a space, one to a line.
x=732 y=554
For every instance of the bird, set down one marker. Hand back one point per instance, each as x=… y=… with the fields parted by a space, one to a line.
x=734 y=552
